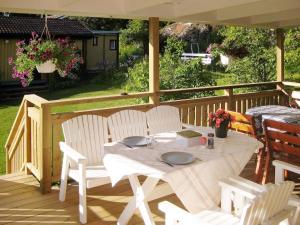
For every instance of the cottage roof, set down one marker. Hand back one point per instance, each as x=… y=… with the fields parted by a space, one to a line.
x=17 y=26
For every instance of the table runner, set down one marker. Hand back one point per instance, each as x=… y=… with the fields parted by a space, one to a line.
x=196 y=184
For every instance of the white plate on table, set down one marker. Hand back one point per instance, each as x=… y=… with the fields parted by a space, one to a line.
x=135 y=141
x=178 y=158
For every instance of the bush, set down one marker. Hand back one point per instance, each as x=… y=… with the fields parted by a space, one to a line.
x=254 y=67
x=174 y=73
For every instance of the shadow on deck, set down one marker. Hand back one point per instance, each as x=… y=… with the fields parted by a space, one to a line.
x=22 y=203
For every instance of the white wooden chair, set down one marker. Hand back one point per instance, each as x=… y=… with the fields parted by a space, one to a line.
x=280 y=167
x=264 y=205
x=83 y=150
x=163 y=118
x=127 y=123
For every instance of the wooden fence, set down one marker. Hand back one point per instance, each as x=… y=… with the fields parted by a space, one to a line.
x=32 y=144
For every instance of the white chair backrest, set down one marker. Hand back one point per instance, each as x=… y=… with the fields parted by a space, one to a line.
x=268 y=204
x=163 y=118
x=127 y=123
x=296 y=97
x=87 y=135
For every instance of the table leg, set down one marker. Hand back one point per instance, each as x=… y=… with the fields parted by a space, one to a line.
x=139 y=200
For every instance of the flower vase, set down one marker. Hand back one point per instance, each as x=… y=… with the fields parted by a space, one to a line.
x=46 y=67
x=221 y=132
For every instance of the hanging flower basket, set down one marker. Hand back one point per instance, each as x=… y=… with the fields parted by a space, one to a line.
x=46 y=67
x=46 y=56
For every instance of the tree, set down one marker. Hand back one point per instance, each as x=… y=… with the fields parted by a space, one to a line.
x=95 y=23
x=252 y=51
x=136 y=32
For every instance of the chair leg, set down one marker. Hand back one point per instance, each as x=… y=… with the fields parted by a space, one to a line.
x=259 y=165
x=64 y=179
x=266 y=175
x=82 y=195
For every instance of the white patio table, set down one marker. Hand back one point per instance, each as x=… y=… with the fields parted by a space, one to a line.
x=195 y=184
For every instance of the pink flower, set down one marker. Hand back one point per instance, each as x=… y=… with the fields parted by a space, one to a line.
x=218 y=122
x=34 y=34
x=10 y=60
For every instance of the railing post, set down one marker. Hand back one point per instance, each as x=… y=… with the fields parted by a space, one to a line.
x=27 y=137
x=280 y=63
x=154 y=60
x=45 y=148
x=280 y=54
x=230 y=104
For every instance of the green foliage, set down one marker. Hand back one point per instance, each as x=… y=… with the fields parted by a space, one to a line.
x=174 y=73
x=249 y=40
x=136 y=33
x=292 y=51
x=95 y=23
x=252 y=52
x=129 y=53
x=254 y=68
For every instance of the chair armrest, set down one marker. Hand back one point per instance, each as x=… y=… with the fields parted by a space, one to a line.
x=174 y=211
x=71 y=153
x=238 y=191
x=280 y=166
x=286 y=166
x=241 y=186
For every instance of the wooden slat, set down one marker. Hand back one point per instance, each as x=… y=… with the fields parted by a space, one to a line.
x=34 y=170
x=57 y=158
x=16 y=141
x=284 y=147
x=15 y=126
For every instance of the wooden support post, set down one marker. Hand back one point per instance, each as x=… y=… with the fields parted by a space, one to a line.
x=280 y=54
x=230 y=104
x=45 y=148
x=154 y=60
x=27 y=137
x=280 y=63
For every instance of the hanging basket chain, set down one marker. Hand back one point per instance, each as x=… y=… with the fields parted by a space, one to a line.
x=46 y=30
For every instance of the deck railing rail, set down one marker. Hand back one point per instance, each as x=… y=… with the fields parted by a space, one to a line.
x=32 y=144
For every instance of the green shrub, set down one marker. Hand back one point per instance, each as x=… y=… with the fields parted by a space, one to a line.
x=174 y=73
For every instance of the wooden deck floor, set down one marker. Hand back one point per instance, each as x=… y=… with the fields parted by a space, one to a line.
x=22 y=203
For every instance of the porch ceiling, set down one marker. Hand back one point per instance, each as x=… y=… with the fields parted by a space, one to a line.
x=266 y=13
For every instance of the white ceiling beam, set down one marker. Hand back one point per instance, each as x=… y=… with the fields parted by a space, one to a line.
x=257 y=8
x=283 y=16
x=267 y=18
x=136 y=5
x=239 y=12
x=281 y=24
x=190 y=7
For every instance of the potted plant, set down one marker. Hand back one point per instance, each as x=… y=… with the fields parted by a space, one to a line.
x=46 y=56
x=220 y=121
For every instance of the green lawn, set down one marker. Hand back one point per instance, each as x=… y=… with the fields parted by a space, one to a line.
x=9 y=110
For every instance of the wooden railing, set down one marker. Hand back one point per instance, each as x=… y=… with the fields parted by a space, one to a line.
x=32 y=144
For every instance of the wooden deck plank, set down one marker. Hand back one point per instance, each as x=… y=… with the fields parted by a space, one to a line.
x=22 y=203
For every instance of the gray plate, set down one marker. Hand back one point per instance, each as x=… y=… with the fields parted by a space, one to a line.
x=178 y=158
x=135 y=141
